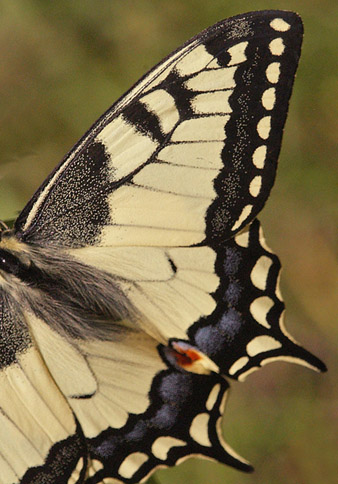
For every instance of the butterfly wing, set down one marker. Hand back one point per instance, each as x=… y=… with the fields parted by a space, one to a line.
x=145 y=211
x=40 y=439
x=246 y=329
x=137 y=413
x=188 y=155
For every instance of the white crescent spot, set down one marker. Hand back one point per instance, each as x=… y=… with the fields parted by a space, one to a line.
x=212 y=398
x=259 y=155
x=279 y=25
x=199 y=429
x=132 y=463
x=269 y=98
x=238 y=365
x=261 y=344
x=259 y=309
x=260 y=271
x=273 y=72
x=162 y=446
x=264 y=126
x=255 y=186
x=277 y=46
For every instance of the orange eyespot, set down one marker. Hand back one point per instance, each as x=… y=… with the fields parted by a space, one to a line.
x=185 y=356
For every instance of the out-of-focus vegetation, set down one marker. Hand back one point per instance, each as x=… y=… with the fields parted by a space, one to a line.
x=63 y=63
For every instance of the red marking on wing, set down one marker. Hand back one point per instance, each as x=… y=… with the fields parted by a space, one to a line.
x=185 y=356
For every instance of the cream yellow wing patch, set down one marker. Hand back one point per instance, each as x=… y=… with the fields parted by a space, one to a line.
x=34 y=418
x=170 y=289
x=103 y=381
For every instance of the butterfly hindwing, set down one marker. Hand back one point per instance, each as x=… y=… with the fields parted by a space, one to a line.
x=137 y=414
x=246 y=329
x=40 y=440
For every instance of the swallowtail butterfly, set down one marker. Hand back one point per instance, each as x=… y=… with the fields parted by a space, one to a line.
x=136 y=282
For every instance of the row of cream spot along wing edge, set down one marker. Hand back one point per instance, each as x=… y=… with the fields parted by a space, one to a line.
x=276 y=47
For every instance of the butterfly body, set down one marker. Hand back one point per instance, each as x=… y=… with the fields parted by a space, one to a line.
x=138 y=277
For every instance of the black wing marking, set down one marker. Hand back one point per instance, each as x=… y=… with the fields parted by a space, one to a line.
x=246 y=330
x=183 y=420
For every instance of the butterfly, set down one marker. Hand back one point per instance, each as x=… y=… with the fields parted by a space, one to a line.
x=137 y=281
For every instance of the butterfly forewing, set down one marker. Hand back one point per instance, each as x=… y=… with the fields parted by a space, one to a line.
x=190 y=154
x=139 y=271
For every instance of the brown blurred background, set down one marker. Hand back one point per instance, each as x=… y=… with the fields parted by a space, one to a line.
x=63 y=63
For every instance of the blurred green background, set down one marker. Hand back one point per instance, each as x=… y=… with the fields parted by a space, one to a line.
x=63 y=63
